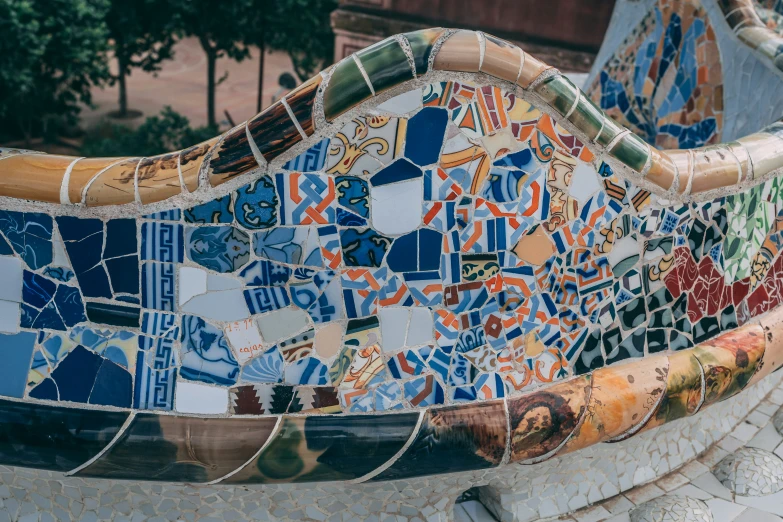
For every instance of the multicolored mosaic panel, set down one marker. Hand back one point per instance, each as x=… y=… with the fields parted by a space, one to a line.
x=456 y=245
x=664 y=81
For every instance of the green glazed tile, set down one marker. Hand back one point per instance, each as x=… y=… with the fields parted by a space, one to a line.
x=609 y=132
x=182 y=449
x=632 y=151
x=421 y=43
x=54 y=438
x=559 y=92
x=587 y=117
x=385 y=64
x=346 y=89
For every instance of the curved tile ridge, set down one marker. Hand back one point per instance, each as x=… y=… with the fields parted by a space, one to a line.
x=608 y=405
x=376 y=73
x=744 y=20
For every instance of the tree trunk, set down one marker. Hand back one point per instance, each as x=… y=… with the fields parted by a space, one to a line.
x=260 y=101
x=121 y=79
x=211 y=59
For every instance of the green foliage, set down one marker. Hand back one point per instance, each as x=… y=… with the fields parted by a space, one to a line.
x=51 y=53
x=300 y=28
x=157 y=135
x=142 y=35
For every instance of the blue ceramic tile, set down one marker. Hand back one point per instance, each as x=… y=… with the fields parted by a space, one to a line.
x=37 y=290
x=265 y=273
x=425 y=135
x=206 y=356
x=5 y=247
x=154 y=388
x=417 y=250
x=115 y=315
x=363 y=247
x=157 y=323
x=165 y=215
x=76 y=229
x=17 y=352
x=293 y=245
x=353 y=194
x=69 y=304
x=219 y=248
x=267 y=368
x=158 y=286
x=161 y=242
x=260 y=300
x=30 y=235
x=124 y=274
x=349 y=219
x=59 y=273
x=75 y=375
x=218 y=210
x=113 y=386
x=120 y=238
x=256 y=204
x=312 y=160
x=400 y=170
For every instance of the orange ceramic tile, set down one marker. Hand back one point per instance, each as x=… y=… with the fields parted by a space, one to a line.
x=683 y=163
x=115 y=186
x=535 y=247
x=33 y=176
x=82 y=172
x=729 y=361
x=543 y=420
x=190 y=161
x=684 y=390
x=713 y=167
x=460 y=52
x=531 y=69
x=158 y=178
x=501 y=59
x=621 y=399
x=766 y=152
x=772 y=325
x=662 y=170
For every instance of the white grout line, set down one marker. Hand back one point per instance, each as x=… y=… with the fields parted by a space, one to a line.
x=386 y=465
x=272 y=436
x=106 y=448
x=364 y=73
x=64 y=199
x=293 y=119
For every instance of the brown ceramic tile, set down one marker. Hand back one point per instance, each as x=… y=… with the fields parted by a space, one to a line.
x=531 y=69
x=684 y=390
x=158 y=178
x=621 y=398
x=301 y=101
x=543 y=420
x=33 y=176
x=232 y=157
x=115 y=186
x=772 y=325
x=501 y=59
x=729 y=361
x=461 y=52
x=662 y=171
x=182 y=449
x=190 y=161
x=713 y=167
x=82 y=172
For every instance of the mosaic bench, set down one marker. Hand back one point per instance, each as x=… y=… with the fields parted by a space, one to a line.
x=437 y=256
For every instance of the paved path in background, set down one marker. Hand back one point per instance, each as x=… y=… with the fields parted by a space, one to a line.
x=182 y=83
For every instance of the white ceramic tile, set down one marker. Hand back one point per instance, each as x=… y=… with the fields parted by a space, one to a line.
x=403 y=103
x=221 y=282
x=420 y=329
x=769 y=503
x=190 y=397
x=584 y=182
x=11 y=279
x=192 y=282
x=281 y=324
x=708 y=483
x=396 y=208
x=59 y=257
x=724 y=511
x=244 y=339
x=228 y=305
x=767 y=438
x=756 y=515
x=394 y=324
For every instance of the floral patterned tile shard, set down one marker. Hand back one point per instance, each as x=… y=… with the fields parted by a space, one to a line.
x=453 y=439
x=181 y=448
x=308 y=449
x=206 y=356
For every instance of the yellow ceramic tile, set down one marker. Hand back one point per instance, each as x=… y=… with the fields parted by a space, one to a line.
x=662 y=172
x=83 y=172
x=115 y=186
x=190 y=161
x=501 y=59
x=621 y=399
x=158 y=178
x=713 y=167
x=684 y=390
x=33 y=176
x=461 y=52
